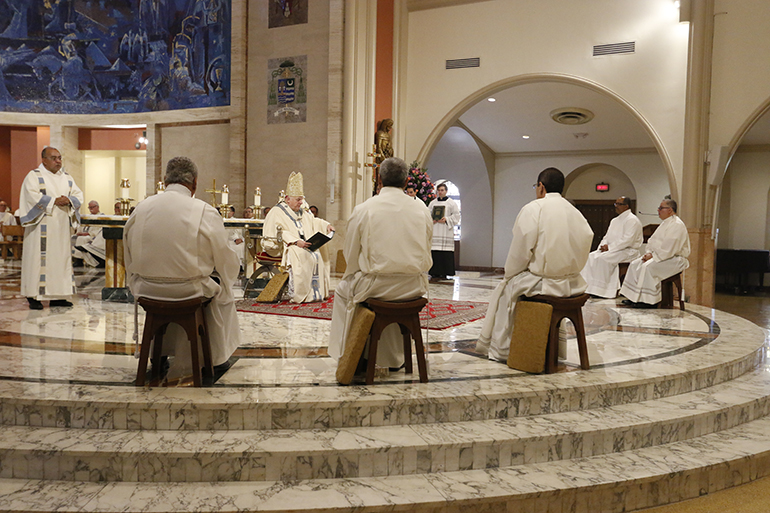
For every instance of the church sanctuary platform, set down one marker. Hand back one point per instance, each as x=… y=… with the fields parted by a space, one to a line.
x=675 y=406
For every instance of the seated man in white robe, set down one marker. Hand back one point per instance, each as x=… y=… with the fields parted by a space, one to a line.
x=6 y=217
x=387 y=250
x=308 y=273
x=175 y=249
x=666 y=255
x=88 y=245
x=550 y=246
x=620 y=244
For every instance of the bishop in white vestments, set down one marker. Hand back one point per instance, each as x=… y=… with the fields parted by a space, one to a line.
x=387 y=250
x=48 y=208
x=550 y=246
x=308 y=273
x=175 y=248
x=620 y=244
x=666 y=255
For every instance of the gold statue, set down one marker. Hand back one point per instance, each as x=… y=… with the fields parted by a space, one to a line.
x=383 y=148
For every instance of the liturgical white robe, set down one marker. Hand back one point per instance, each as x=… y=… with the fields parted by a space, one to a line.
x=309 y=274
x=387 y=250
x=7 y=219
x=623 y=239
x=89 y=246
x=46 y=262
x=550 y=246
x=670 y=247
x=172 y=243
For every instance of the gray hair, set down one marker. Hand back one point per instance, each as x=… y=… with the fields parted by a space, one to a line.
x=393 y=172
x=670 y=203
x=94 y=202
x=180 y=170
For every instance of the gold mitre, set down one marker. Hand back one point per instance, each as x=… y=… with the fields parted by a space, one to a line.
x=294 y=187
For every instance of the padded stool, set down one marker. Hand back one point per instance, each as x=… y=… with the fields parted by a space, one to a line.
x=667 y=291
x=569 y=307
x=407 y=315
x=187 y=314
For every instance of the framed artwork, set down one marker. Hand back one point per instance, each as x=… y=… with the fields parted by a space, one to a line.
x=284 y=13
x=287 y=90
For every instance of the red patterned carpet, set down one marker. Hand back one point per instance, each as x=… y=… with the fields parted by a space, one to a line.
x=439 y=314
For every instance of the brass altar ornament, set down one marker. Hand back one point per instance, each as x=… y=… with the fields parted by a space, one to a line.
x=160 y=188
x=125 y=200
x=224 y=206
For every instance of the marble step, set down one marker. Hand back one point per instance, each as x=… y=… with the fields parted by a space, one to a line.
x=610 y=483
x=288 y=455
x=736 y=350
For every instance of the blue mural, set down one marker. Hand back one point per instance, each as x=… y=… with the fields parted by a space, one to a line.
x=113 y=56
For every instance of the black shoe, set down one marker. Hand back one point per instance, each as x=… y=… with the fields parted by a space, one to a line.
x=645 y=305
x=627 y=302
x=396 y=369
x=61 y=302
x=162 y=367
x=222 y=368
x=34 y=304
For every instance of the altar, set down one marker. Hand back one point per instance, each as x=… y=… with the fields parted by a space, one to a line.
x=115 y=289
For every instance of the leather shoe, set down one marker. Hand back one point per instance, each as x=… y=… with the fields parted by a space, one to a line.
x=34 y=304
x=627 y=302
x=222 y=368
x=61 y=302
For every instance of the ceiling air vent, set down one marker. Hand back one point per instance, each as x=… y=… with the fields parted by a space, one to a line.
x=473 y=62
x=615 y=48
x=572 y=115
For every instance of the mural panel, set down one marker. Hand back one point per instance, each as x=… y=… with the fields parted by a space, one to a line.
x=284 y=13
x=113 y=56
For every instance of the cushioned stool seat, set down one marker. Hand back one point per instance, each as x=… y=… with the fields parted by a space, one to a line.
x=571 y=308
x=187 y=314
x=667 y=291
x=407 y=315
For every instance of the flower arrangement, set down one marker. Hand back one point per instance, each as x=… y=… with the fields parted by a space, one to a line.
x=419 y=179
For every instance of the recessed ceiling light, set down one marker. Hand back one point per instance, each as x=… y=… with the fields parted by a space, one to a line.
x=525 y=137
x=491 y=100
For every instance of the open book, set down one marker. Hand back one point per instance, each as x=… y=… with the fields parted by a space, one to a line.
x=318 y=240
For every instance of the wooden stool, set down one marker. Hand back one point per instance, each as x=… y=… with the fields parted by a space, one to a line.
x=569 y=307
x=187 y=314
x=622 y=270
x=407 y=315
x=667 y=291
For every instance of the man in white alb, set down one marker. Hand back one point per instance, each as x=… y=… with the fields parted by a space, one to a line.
x=88 y=244
x=49 y=211
x=6 y=217
x=175 y=248
x=308 y=273
x=387 y=250
x=620 y=244
x=666 y=255
x=551 y=241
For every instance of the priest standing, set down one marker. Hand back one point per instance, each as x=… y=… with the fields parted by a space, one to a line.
x=446 y=215
x=48 y=209
x=551 y=241
x=308 y=273
x=620 y=244
x=387 y=250
x=175 y=248
x=666 y=255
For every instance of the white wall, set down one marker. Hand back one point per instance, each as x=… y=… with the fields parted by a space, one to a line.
x=517 y=37
x=515 y=175
x=582 y=185
x=103 y=172
x=744 y=205
x=458 y=159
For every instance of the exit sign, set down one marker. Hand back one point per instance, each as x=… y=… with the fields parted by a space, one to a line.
x=602 y=187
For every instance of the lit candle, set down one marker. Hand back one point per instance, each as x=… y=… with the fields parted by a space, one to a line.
x=161 y=187
x=225 y=195
x=124 y=188
x=257 y=197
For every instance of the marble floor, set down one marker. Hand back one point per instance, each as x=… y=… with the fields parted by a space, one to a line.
x=93 y=342
x=675 y=405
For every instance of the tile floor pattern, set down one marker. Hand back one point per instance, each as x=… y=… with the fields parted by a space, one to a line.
x=673 y=407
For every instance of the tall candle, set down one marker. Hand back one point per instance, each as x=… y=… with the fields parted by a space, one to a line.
x=225 y=195
x=257 y=197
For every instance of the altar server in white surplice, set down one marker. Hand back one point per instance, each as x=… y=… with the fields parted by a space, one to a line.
x=173 y=243
x=6 y=217
x=551 y=241
x=387 y=250
x=308 y=273
x=666 y=255
x=620 y=244
x=48 y=208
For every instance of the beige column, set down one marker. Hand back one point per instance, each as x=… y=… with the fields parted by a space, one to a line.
x=699 y=278
x=238 y=104
x=154 y=171
x=358 y=107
